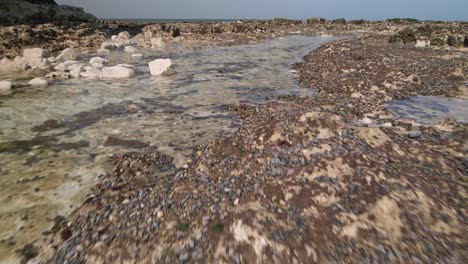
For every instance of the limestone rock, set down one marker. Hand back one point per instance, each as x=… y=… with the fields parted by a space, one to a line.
x=91 y=73
x=5 y=87
x=68 y=54
x=103 y=51
x=117 y=72
x=159 y=66
x=35 y=57
x=39 y=81
x=21 y=11
x=98 y=60
x=130 y=49
x=124 y=35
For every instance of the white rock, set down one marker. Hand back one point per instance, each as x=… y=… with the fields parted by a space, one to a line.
x=114 y=37
x=124 y=35
x=76 y=72
x=103 y=51
x=97 y=65
x=91 y=73
x=126 y=66
x=5 y=87
x=130 y=49
x=157 y=43
x=108 y=45
x=98 y=60
x=39 y=81
x=137 y=56
x=123 y=43
x=17 y=65
x=68 y=54
x=34 y=57
x=366 y=121
x=117 y=72
x=159 y=66
x=423 y=43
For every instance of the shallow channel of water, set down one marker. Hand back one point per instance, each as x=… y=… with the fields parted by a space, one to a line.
x=429 y=110
x=52 y=142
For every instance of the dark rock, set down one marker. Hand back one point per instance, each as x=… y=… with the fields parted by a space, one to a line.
x=340 y=21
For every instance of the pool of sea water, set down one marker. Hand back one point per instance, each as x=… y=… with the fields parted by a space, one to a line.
x=53 y=141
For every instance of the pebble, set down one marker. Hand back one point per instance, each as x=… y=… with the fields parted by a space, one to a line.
x=414 y=134
x=366 y=121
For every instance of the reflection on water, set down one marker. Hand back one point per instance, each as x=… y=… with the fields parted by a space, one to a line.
x=55 y=142
x=429 y=110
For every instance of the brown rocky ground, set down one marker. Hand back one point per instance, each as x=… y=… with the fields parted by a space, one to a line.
x=302 y=181
x=58 y=35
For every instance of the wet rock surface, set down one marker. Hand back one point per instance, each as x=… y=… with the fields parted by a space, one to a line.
x=303 y=180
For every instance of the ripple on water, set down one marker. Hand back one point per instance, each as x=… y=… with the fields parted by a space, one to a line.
x=54 y=144
x=429 y=110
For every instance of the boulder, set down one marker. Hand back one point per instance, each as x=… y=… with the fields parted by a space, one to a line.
x=159 y=66
x=34 y=57
x=39 y=81
x=5 y=87
x=17 y=65
x=117 y=72
x=124 y=35
x=130 y=49
x=97 y=65
x=98 y=60
x=68 y=54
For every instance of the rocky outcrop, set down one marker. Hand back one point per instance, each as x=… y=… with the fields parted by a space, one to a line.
x=39 y=11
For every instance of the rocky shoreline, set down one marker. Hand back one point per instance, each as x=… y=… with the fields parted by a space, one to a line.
x=306 y=180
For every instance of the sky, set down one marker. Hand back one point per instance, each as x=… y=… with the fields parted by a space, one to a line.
x=263 y=9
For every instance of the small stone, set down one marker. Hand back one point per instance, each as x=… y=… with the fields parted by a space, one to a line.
x=39 y=81
x=160 y=214
x=387 y=125
x=137 y=56
x=366 y=121
x=414 y=134
x=5 y=87
x=205 y=220
x=98 y=60
x=236 y=202
x=103 y=51
x=130 y=49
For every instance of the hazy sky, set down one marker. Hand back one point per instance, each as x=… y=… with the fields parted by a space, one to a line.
x=296 y=9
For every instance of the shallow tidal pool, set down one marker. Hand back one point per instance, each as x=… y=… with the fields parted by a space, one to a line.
x=55 y=142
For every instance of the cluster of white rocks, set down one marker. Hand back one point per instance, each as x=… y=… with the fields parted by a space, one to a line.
x=67 y=64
